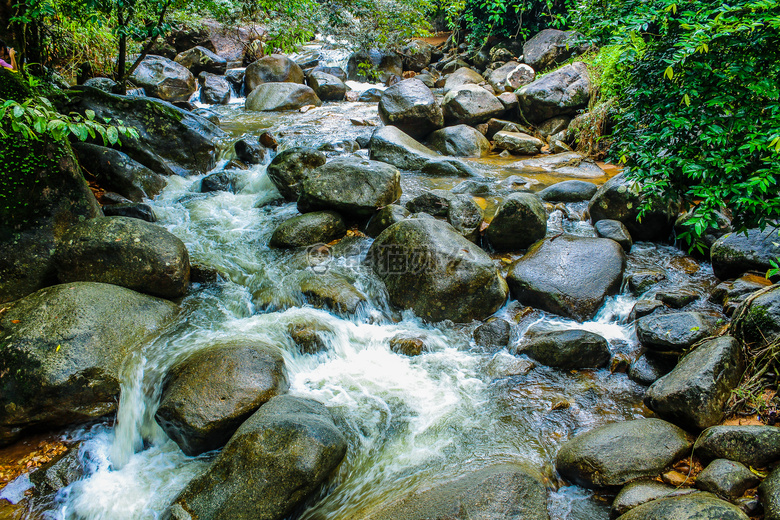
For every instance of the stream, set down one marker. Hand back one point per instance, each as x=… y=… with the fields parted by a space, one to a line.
x=408 y=420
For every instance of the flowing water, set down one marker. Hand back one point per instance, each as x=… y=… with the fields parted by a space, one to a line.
x=408 y=420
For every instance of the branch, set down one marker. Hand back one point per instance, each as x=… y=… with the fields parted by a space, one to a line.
x=149 y=45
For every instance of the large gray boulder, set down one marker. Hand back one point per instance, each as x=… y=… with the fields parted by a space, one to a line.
x=617 y=453
x=569 y=191
x=281 y=96
x=352 y=186
x=565 y=164
x=165 y=79
x=274 y=68
x=215 y=90
x=551 y=47
x=497 y=77
x=470 y=105
x=698 y=506
x=520 y=221
x=63 y=350
x=459 y=141
x=288 y=169
x=674 y=332
x=384 y=218
x=462 y=76
x=200 y=59
x=727 y=478
x=751 y=445
x=621 y=199
x=326 y=86
x=736 y=253
x=118 y=172
x=498 y=492
x=568 y=349
x=171 y=141
x=558 y=93
x=124 y=251
x=416 y=55
x=319 y=227
x=207 y=396
x=518 y=142
x=694 y=394
x=427 y=266
x=568 y=275
x=276 y=460
x=411 y=106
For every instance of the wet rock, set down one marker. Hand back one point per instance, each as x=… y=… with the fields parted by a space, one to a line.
x=171 y=141
x=286 y=449
x=219 y=181
x=407 y=346
x=519 y=143
x=497 y=77
x=207 y=396
x=493 y=334
x=498 y=492
x=620 y=199
x=164 y=79
x=734 y=254
x=385 y=218
x=568 y=275
x=333 y=71
x=207 y=114
x=411 y=106
x=470 y=105
x=432 y=202
x=60 y=472
x=465 y=215
x=118 y=172
x=127 y=252
x=372 y=95
x=131 y=210
x=236 y=79
x=643 y=279
x=389 y=144
x=649 y=368
x=769 y=492
x=640 y=492
x=674 y=332
x=386 y=64
x=569 y=191
x=462 y=76
x=698 y=506
x=352 y=186
x=332 y=291
x=732 y=293
x=441 y=275
x=459 y=141
x=250 y=151
x=416 y=55
x=617 y=453
x=562 y=92
x=215 y=90
x=615 y=230
x=551 y=47
x=568 y=349
x=290 y=167
x=104 y=84
x=644 y=308
x=756 y=446
x=307 y=337
x=726 y=478
x=676 y=299
x=200 y=59
x=520 y=221
x=326 y=86
x=510 y=102
x=319 y=227
x=567 y=164
x=274 y=68
x=281 y=96
x=63 y=350
x=757 y=319
x=448 y=67
x=694 y=394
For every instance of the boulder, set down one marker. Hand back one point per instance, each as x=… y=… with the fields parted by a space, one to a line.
x=497 y=492
x=497 y=77
x=411 y=106
x=564 y=164
x=520 y=221
x=378 y=64
x=164 y=79
x=642 y=491
x=132 y=210
x=416 y=55
x=674 y=332
x=769 y=491
x=354 y=187
x=649 y=368
x=286 y=450
x=727 y=478
x=470 y=105
x=427 y=266
x=207 y=396
x=694 y=394
x=333 y=71
x=569 y=191
x=519 y=76
x=290 y=167
x=621 y=199
x=617 y=453
x=250 y=150
x=459 y=141
x=62 y=471
x=558 y=93
x=642 y=280
x=432 y=202
x=554 y=125
x=372 y=95
x=568 y=275
x=732 y=293
x=118 y=172
x=550 y=47
x=200 y=59
x=127 y=252
x=326 y=86
x=407 y=346
x=215 y=90
x=171 y=141
x=510 y=102
x=518 y=142
x=274 y=68
x=615 y=230
x=236 y=79
x=462 y=76
x=319 y=227
x=465 y=215
x=219 y=181
x=757 y=319
x=281 y=96
x=493 y=334
x=695 y=506
x=756 y=446
x=392 y=146
x=63 y=350
x=385 y=218
x=567 y=349
x=736 y=253
x=104 y=84
x=451 y=65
